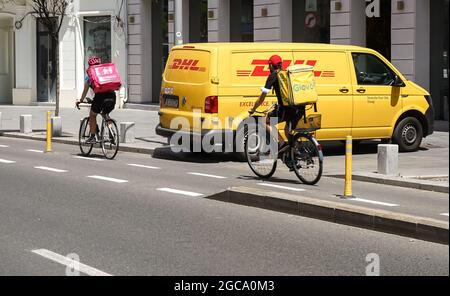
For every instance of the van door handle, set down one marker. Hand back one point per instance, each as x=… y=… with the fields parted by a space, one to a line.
x=344 y=90
x=361 y=90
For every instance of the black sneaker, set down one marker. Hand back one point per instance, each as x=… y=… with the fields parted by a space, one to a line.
x=91 y=140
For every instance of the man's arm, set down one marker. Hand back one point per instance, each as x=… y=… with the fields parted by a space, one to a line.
x=83 y=95
x=259 y=102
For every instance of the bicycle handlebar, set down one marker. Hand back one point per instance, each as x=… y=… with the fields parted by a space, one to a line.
x=265 y=111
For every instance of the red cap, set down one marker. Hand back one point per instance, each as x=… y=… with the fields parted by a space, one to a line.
x=275 y=60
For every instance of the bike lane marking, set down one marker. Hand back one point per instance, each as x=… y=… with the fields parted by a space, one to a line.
x=180 y=192
x=35 y=151
x=6 y=161
x=206 y=175
x=50 y=169
x=70 y=263
x=379 y=203
x=89 y=158
x=144 y=166
x=4 y=146
x=108 y=179
x=281 y=187
x=444 y=214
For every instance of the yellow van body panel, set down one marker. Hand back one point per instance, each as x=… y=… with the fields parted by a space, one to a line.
x=235 y=73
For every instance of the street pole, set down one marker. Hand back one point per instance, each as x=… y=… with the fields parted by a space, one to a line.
x=178 y=22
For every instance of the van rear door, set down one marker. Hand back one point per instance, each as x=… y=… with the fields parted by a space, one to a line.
x=187 y=82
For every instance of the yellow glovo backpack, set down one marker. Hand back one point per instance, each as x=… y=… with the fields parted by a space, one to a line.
x=298 y=86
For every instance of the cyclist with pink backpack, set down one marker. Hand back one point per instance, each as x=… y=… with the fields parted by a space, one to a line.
x=104 y=81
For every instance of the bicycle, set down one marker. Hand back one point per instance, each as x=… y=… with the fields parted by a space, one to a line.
x=302 y=154
x=108 y=135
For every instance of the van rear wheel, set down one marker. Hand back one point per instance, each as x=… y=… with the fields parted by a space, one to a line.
x=408 y=134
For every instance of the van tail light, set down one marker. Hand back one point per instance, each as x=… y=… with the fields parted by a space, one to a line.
x=212 y=104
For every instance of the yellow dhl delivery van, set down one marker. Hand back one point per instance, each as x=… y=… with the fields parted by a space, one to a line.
x=360 y=92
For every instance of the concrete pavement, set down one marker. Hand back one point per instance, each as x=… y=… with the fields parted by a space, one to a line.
x=136 y=228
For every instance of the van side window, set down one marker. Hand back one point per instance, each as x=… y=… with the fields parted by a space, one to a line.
x=370 y=70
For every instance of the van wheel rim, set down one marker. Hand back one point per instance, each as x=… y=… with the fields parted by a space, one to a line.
x=409 y=134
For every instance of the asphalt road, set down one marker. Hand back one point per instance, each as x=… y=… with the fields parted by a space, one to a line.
x=123 y=219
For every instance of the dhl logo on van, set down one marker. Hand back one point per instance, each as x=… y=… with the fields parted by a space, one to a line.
x=261 y=69
x=186 y=64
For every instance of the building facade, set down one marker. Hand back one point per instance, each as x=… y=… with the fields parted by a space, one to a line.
x=413 y=34
x=27 y=54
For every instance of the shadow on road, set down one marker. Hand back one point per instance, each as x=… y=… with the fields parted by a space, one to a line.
x=194 y=157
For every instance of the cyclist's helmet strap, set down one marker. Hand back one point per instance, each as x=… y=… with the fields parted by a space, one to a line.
x=94 y=61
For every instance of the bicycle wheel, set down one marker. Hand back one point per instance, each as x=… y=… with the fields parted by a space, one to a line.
x=307 y=159
x=110 y=138
x=259 y=151
x=83 y=135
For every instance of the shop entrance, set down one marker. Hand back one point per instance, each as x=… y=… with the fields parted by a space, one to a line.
x=439 y=57
x=46 y=65
x=311 y=21
x=241 y=21
x=378 y=30
x=6 y=59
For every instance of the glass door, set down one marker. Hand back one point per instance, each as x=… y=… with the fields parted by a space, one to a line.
x=46 y=65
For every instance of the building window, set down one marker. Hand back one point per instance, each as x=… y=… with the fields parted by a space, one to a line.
x=241 y=21
x=311 y=21
x=97 y=38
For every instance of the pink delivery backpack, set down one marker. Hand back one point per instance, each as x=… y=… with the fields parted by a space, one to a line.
x=104 y=78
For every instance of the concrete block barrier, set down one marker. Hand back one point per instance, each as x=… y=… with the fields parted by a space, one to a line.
x=388 y=160
x=126 y=132
x=56 y=126
x=25 y=124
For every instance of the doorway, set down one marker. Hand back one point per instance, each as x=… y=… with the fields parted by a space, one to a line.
x=6 y=60
x=311 y=21
x=378 y=30
x=46 y=65
x=439 y=60
x=241 y=21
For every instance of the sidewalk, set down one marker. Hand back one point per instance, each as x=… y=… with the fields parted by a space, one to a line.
x=428 y=166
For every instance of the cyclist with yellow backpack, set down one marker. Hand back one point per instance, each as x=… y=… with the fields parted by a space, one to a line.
x=293 y=92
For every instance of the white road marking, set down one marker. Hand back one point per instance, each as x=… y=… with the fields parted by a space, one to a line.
x=6 y=161
x=108 y=179
x=89 y=158
x=4 y=146
x=206 y=175
x=374 y=202
x=144 y=166
x=50 y=169
x=181 y=192
x=36 y=151
x=444 y=214
x=70 y=263
x=281 y=187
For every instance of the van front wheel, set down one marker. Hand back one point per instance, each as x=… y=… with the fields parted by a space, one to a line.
x=408 y=134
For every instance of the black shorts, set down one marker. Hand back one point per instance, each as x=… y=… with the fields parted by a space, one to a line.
x=104 y=102
x=288 y=114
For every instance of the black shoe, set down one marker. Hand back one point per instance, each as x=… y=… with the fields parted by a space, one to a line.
x=91 y=140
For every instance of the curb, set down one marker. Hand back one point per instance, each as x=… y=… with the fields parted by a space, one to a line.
x=140 y=150
x=426 y=229
x=397 y=181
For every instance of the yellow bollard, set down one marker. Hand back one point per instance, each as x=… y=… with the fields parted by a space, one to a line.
x=348 y=168
x=49 y=132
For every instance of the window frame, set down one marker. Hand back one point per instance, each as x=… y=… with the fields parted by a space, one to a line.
x=387 y=67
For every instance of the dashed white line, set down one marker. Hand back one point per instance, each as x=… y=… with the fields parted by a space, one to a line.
x=281 y=187
x=66 y=261
x=181 y=192
x=444 y=214
x=108 y=179
x=89 y=158
x=207 y=175
x=36 y=151
x=4 y=146
x=374 y=202
x=144 y=166
x=50 y=169
x=6 y=161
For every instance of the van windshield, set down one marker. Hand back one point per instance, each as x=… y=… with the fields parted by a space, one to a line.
x=188 y=66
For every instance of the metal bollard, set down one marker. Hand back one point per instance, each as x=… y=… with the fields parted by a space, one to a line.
x=25 y=124
x=49 y=132
x=348 y=168
x=126 y=132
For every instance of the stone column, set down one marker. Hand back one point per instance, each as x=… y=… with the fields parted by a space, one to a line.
x=218 y=20
x=348 y=22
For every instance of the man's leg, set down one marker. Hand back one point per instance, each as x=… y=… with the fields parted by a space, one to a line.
x=93 y=122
